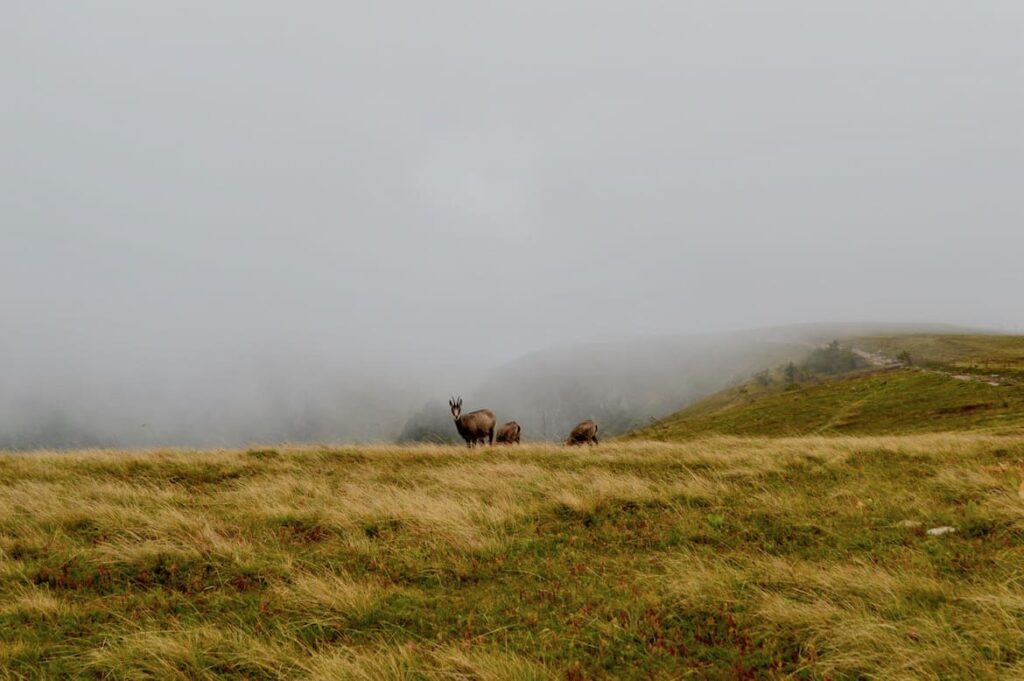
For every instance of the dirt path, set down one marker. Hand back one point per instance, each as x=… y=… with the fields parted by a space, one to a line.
x=881 y=361
x=877 y=360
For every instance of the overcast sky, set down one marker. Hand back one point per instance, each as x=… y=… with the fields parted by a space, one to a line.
x=215 y=178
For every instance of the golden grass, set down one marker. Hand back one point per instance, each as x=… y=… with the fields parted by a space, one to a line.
x=713 y=558
x=859 y=620
x=409 y=662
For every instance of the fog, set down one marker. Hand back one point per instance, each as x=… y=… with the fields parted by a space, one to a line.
x=235 y=222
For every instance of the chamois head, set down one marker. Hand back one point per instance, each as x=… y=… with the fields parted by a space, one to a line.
x=456 y=406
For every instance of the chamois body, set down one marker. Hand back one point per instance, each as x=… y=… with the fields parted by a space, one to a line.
x=476 y=426
x=585 y=433
x=508 y=433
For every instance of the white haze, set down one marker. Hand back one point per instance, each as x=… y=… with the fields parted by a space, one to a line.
x=239 y=221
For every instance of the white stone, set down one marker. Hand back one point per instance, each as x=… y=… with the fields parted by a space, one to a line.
x=939 y=531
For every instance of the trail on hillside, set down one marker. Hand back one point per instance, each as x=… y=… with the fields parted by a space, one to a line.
x=883 y=362
x=878 y=360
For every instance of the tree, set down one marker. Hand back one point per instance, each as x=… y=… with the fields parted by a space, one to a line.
x=832 y=359
x=792 y=373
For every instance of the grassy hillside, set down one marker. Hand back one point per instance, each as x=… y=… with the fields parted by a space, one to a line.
x=874 y=402
x=721 y=558
x=969 y=353
x=950 y=387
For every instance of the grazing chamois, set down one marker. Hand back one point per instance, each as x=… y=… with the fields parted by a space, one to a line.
x=476 y=426
x=585 y=433
x=508 y=433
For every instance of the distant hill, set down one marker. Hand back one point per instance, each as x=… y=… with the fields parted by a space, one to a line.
x=622 y=384
x=950 y=384
x=629 y=383
x=974 y=353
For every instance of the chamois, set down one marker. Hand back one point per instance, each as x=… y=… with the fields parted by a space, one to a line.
x=476 y=426
x=585 y=433
x=508 y=433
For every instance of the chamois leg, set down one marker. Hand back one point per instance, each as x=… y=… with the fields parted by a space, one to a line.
x=490 y=434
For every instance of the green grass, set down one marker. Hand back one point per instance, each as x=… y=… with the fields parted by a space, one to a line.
x=875 y=403
x=925 y=398
x=974 y=353
x=720 y=558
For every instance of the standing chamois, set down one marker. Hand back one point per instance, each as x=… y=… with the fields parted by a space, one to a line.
x=585 y=433
x=508 y=433
x=476 y=426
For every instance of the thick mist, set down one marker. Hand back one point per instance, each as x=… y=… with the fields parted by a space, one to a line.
x=238 y=222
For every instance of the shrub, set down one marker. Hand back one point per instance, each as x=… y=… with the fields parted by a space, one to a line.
x=832 y=359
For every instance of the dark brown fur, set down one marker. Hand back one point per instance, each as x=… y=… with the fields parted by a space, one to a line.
x=508 y=433
x=476 y=426
x=585 y=433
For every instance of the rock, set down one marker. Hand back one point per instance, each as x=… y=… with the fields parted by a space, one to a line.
x=939 y=531
x=909 y=524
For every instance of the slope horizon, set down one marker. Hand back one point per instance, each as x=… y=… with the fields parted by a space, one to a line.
x=316 y=398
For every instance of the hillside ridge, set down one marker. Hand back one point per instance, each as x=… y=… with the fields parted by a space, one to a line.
x=942 y=383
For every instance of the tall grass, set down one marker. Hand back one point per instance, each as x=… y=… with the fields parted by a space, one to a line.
x=719 y=557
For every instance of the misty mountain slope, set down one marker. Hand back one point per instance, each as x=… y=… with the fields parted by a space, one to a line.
x=156 y=401
x=627 y=384
x=939 y=397
x=323 y=395
x=620 y=384
x=333 y=393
